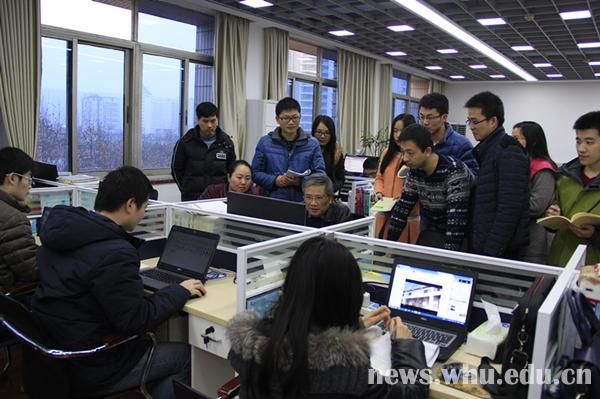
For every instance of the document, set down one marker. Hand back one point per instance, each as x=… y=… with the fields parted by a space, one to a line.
x=293 y=173
x=384 y=205
x=561 y=222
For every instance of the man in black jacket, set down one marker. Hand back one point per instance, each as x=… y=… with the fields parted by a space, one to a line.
x=90 y=289
x=203 y=155
x=500 y=211
x=322 y=209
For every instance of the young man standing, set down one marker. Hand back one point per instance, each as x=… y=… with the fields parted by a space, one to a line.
x=578 y=189
x=17 y=245
x=286 y=148
x=500 y=214
x=90 y=289
x=433 y=114
x=441 y=184
x=203 y=155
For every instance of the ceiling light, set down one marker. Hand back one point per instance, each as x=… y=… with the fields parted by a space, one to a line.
x=594 y=63
x=588 y=45
x=522 y=48
x=434 y=68
x=597 y=74
x=341 y=33
x=491 y=21
x=400 y=28
x=497 y=76
x=543 y=65
x=434 y=17
x=256 y=3
x=575 y=14
x=447 y=51
x=478 y=66
x=457 y=77
x=396 y=53
x=554 y=75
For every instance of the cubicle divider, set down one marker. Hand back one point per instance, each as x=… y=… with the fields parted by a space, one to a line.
x=363 y=227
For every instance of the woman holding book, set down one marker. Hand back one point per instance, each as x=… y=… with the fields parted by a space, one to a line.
x=542 y=185
x=313 y=343
x=323 y=129
x=239 y=180
x=389 y=182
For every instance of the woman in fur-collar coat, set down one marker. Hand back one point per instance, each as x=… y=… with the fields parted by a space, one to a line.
x=313 y=343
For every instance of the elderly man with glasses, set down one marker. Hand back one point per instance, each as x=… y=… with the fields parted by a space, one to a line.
x=321 y=208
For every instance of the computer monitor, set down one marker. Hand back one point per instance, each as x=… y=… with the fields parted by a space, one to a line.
x=266 y=208
x=353 y=164
x=44 y=171
x=262 y=303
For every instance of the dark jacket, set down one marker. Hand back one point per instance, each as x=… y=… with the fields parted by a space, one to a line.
x=457 y=146
x=338 y=362
x=500 y=211
x=17 y=245
x=336 y=213
x=335 y=170
x=274 y=156
x=220 y=190
x=194 y=166
x=90 y=288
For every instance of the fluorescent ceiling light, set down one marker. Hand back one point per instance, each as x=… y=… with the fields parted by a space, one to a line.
x=457 y=77
x=588 y=45
x=597 y=74
x=575 y=14
x=554 y=75
x=447 y=51
x=400 y=28
x=478 y=66
x=341 y=33
x=522 y=48
x=491 y=21
x=543 y=65
x=594 y=63
x=497 y=76
x=396 y=53
x=256 y=3
x=432 y=16
x=434 y=68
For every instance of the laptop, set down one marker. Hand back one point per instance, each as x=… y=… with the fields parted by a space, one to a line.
x=434 y=302
x=187 y=254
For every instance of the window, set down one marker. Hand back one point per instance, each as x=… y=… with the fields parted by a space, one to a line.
x=304 y=93
x=407 y=90
x=200 y=89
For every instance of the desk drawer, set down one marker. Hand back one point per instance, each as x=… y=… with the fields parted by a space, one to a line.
x=208 y=336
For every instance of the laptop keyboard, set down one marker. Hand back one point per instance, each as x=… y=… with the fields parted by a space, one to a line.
x=428 y=335
x=162 y=276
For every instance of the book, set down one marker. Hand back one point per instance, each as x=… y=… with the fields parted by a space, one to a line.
x=384 y=205
x=381 y=351
x=561 y=222
x=293 y=173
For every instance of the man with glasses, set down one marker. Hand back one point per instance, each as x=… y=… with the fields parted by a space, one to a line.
x=500 y=211
x=433 y=115
x=17 y=245
x=321 y=208
x=285 y=153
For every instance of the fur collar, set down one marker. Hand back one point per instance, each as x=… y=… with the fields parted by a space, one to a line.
x=333 y=347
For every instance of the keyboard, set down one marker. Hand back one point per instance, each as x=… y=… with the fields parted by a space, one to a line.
x=433 y=336
x=159 y=275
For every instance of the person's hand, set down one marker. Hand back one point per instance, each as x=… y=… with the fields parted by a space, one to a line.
x=553 y=210
x=398 y=330
x=377 y=315
x=293 y=181
x=378 y=196
x=195 y=287
x=285 y=181
x=586 y=231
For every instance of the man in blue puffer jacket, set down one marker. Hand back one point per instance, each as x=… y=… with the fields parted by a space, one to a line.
x=499 y=219
x=285 y=149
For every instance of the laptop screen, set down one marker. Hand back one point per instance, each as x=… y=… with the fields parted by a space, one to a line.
x=432 y=294
x=262 y=303
x=189 y=252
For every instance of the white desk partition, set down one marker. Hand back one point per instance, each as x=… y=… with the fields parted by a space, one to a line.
x=364 y=227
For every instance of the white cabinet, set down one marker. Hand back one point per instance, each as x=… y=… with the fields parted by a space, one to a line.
x=260 y=116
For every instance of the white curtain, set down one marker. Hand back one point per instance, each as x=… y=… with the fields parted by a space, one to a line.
x=385 y=96
x=19 y=73
x=275 y=63
x=356 y=82
x=230 y=66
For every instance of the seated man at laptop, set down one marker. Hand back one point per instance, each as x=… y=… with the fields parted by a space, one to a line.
x=90 y=288
x=321 y=208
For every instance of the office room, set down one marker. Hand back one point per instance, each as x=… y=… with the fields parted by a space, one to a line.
x=90 y=86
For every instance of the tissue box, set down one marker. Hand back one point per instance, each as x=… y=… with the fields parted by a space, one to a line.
x=481 y=343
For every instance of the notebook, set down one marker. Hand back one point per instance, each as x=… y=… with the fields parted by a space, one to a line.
x=434 y=302
x=187 y=254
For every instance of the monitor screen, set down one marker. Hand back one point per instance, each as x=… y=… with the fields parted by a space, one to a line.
x=354 y=163
x=261 y=304
x=266 y=208
x=431 y=293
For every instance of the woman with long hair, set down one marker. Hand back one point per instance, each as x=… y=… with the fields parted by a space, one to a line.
x=323 y=129
x=542 y=185
x=389 y=181
x=313 y=343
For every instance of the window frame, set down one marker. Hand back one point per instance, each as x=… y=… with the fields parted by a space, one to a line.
x=407 y=98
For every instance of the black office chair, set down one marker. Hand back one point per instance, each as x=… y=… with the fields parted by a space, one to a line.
x=46 y=372
x=227 y=391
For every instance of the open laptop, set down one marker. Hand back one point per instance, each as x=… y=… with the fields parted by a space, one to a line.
x=187 y=254
x=434 y=302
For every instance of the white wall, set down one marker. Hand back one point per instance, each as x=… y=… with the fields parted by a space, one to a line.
x=554 y=105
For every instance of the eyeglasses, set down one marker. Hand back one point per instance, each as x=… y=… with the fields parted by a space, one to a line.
x=323 y=133
x=288 y=119
x=28 y=178
x=317 y=198
x=473 y=122
x=428 y=118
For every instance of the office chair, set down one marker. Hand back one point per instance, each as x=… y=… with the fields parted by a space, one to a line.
x=229 y=390
x=46 y=372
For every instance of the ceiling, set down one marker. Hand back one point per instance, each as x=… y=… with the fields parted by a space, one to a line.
x=528 y=22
